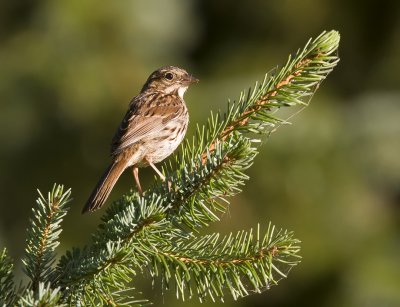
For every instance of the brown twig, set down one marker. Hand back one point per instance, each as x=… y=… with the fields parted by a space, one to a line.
x=42 y=245
x=245 y=116
x=264 y=252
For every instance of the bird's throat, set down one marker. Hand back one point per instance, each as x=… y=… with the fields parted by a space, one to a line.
x=181 y=91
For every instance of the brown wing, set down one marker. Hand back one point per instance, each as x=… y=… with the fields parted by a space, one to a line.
x=144 y=120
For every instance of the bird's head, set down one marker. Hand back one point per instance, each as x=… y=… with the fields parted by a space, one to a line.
x=170 y=79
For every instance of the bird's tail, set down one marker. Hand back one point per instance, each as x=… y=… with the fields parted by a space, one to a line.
x=104 y=187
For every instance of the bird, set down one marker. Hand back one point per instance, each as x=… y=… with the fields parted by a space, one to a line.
x=154 y=125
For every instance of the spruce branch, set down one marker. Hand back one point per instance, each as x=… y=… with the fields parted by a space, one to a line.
x=187 y=262
x=44 y=295
x=44 y=233
x=293 y=85
x=253 y=114
x=119 y=248
x=194 y=200
x=243 y=263
x=7 y=288
x=136 y=229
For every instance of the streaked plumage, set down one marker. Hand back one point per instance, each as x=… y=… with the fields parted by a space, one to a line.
x=153 y=127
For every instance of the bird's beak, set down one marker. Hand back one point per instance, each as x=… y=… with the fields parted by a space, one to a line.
x=190 y=79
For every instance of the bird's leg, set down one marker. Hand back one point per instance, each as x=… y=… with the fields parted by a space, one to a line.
x=156 y=169
x=136 y=176
x=159 y=173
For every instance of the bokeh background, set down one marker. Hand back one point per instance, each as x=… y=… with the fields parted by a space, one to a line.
x=69 y=68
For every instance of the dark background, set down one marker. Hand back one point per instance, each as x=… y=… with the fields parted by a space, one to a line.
x=69 y=68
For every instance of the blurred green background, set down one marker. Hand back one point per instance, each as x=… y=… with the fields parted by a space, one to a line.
x=69 y=68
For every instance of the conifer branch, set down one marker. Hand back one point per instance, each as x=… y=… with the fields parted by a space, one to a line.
x=44 y=295
x=293 y=85
x=241 y=263
x=195 y=192
x=7 y=288
x=117 y=251
x=44 y=233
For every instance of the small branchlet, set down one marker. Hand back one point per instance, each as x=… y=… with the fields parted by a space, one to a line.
x=7 y=289
x=43 y=236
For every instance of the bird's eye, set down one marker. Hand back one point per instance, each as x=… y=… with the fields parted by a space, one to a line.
x=169 y=76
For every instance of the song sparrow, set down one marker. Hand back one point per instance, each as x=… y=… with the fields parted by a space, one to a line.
x=151 y=130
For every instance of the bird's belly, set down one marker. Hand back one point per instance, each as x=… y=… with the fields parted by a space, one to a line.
x=162 y=145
